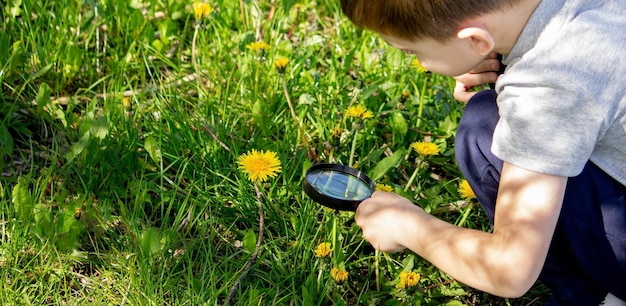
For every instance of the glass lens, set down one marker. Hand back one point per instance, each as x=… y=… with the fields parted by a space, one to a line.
x=339 y=185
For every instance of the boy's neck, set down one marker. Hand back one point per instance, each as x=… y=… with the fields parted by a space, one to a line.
x=507 y=25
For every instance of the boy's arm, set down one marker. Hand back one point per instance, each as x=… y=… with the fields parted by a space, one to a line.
x=506 y=262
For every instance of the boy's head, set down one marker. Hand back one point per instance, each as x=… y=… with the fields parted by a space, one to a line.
x=417 y=19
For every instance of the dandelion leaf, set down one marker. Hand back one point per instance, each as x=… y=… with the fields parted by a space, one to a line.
x=100 y=128
x=399 y=125
x=78 y=147
x=448 y=127
x=22 y=201
x=153 y=149
x=43 y=97
x=249 y=241
x=386 y=164
x=150 y=242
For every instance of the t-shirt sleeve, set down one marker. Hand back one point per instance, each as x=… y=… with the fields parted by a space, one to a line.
x=547 y=126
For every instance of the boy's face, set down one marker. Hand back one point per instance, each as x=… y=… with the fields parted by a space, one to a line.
x=452 y=58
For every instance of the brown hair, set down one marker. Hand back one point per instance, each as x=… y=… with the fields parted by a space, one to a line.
x=416 y=19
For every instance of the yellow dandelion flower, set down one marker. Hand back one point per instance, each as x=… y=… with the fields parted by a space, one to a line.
x=405 y=95
x=415 y=64
x=337 y=131
x=359 y=112
x=281 y=64
x=339 y=275
x=425 y=148
x=323 y=249
x=259 y=166
x=78 y=213
x=202 y=10
x=126 y=102
x=408 y=279
x=259 y=47
x=383 y=187
x=465 y=190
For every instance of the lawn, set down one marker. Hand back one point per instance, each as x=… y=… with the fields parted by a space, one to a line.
x=130 y=138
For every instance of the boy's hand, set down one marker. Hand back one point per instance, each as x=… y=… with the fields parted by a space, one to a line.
x=385 y=220
x=486 y=72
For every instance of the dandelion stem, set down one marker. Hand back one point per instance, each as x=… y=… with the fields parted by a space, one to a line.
x=353 y=148
x=291 y=109
x=193 y=58
x=255 y=254
x=413 y=176
x=465 y=215
x=422 y=99
x=293 y=113
x=335 y=243
x=377 y=269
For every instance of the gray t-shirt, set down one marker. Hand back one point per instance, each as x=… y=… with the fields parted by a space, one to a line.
x=562 y=98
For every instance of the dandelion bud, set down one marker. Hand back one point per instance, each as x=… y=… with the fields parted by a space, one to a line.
x=202 y=10
x=281 y=64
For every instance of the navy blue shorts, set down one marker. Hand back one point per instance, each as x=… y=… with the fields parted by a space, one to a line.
x=587 y=257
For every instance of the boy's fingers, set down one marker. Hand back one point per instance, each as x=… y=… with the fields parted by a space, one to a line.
x=470 y=80
x=488 y=65
x=461 y=93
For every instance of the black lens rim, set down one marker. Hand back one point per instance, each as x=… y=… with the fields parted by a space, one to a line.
x=331 y=202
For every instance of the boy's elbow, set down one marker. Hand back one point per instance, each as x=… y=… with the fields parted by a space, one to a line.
x=516 y=284
x=511 y=288
x=515 y=278
x=514 y=292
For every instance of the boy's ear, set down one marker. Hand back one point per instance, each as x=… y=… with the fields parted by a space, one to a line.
x=479 y=38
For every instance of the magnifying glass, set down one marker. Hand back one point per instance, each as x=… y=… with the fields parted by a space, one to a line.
x=337 y=186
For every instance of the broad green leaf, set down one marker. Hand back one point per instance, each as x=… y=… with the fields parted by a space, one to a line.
x=44 y=227
x=22 y=201
x=451 y=291
x=408 y=263
x=158 y=45
x=41 y=72
x=43 y=97
x=295 y=222
x=386 y=164
x=453 y=303
x=68 y=231
x=78 y=147
x=399 y=125
x=369 y=91
x=153 y=149
x=60 y=115
x=307 y=299
x=100 y=128
x=257 y=112
x=447 y=127
x=249 y=241
x=86 y=123
x=150 y=241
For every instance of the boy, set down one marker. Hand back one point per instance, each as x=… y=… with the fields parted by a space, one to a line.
x=546 y=156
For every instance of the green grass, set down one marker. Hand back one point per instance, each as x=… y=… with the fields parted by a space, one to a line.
x=118 y=154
